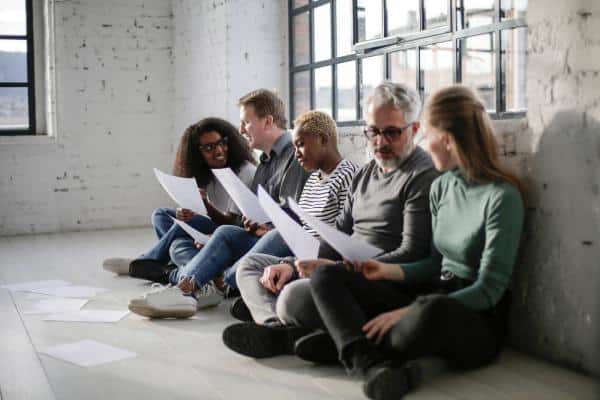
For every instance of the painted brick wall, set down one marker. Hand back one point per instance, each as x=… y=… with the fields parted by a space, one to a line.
x=555 y=310
x=114 y=123
x=224 y=49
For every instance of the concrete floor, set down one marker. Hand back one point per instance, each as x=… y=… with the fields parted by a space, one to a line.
x=185 y=359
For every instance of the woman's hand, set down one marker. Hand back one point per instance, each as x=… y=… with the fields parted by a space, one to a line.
x=307 y=267
x=183 y=214
x=381 y=324
x=254 y=228
x=276 y=276
x=374 y=270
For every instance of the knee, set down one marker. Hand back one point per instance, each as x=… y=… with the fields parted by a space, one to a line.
x=247 y=265
x=159 y=214
x=294 y=302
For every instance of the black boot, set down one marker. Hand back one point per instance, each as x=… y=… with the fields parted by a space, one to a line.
x=239 y=310
x=391 y=380
x=261 y=341
x=151 y=270
x=317 y=347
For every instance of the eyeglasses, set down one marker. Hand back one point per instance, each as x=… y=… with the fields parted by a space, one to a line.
x=210 y=147
x=391 y=133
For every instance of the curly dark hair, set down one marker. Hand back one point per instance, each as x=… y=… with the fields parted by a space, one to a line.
x=189 y=162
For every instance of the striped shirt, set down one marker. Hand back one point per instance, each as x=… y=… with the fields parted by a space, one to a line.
x=324 y=198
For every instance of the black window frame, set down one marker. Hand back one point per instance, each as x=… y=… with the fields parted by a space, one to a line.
x=30 y=83
x=390 y=44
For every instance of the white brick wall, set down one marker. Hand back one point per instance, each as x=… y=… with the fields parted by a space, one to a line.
x=114 y=122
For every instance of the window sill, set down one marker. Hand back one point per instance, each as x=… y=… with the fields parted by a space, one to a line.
x=27 y=139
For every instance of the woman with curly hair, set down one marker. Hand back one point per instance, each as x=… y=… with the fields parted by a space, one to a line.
x=209 y=143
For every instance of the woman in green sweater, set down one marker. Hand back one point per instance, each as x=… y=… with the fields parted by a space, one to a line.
x=477 y=217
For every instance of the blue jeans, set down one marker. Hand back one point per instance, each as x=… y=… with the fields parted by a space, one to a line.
x=167 y=231
x=222 y=253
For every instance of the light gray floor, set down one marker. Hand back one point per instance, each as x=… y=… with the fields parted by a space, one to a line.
x=185 y=359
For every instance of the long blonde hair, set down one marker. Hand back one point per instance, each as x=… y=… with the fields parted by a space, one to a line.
x=458 y=111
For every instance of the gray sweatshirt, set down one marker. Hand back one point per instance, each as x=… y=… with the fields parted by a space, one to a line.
x=391 y=210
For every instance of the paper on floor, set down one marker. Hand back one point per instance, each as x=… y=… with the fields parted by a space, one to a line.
x=87 y=353
x=303 y=244
x=194 y=233
x=82 y=292
x=184 y=191
x=241 y=195
x=350 y=248
x=28 y=286
x=88 y=316
x=55 y=305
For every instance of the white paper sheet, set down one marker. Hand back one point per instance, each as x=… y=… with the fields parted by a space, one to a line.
x=55 y=305
x=243 y=197
x=104 y=316
x=350 y=248
x=82 y=292
x=87 y=353
x=303 y=244
x=28 y=286
x=184 y=191
x=194 y=233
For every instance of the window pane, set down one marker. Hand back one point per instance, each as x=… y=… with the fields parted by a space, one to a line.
x=370 y=19
x=514 y=62
x=475 y=13
x=13 y=61
x=300 y=3
x=12 y=17
x=322 y=34
x=301 y=43
x=402 y=16
x=344 y=25
x=403 y=67
x=436 y=67
x=436 y=13
x=510 y=9
x=372 y=75
x=14 y=108
x=478 y=67
x=301 y=93
x=323 y=90
x=346 y=91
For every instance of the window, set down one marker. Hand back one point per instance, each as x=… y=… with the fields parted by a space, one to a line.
x=341 y=49
x=18 y=84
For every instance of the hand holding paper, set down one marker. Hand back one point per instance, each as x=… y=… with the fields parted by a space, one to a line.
x=183 y=191
x=302 y=243
x=350 y=248
x=241 y=195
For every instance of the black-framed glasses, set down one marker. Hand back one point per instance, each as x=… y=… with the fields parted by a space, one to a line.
x=391 y=133
x=210 y=147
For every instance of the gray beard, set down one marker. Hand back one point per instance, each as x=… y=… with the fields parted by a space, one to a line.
x=394 y=163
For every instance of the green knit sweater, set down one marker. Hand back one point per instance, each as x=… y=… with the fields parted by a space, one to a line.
x=476 y=235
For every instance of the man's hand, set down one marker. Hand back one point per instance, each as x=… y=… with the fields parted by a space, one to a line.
x=254 y=228
x=381 y=324
x=276 y=276
x=307 y=267
x=183 y=214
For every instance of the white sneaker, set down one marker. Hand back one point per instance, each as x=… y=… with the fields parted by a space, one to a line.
x=118 y=265
x=208 y=296
x=164 y=302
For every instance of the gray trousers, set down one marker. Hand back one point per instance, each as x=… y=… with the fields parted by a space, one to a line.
x=293 y=305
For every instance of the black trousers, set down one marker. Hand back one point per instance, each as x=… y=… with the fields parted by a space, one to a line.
x=436 y=325
x=346 y=300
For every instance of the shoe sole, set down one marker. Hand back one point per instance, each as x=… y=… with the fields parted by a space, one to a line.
x=150 y=312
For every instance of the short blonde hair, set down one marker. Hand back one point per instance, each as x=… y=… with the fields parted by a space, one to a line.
x=317 y=123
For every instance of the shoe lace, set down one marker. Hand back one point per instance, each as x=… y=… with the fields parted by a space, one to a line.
x=207 y=290
x=158 y=287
